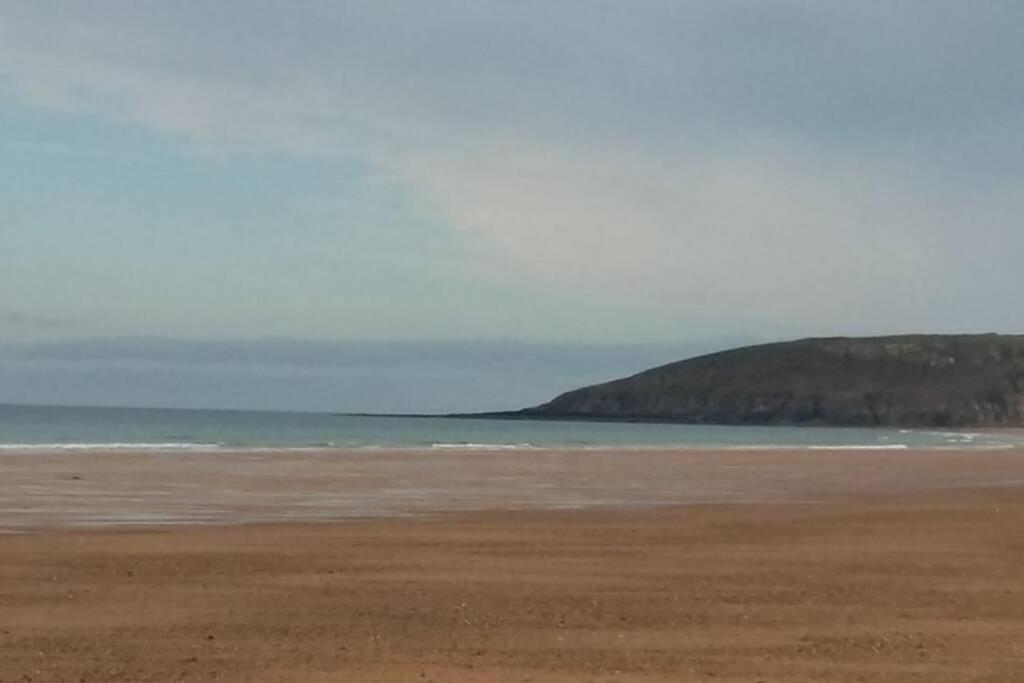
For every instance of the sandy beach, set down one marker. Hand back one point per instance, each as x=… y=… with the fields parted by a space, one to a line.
x=905 y=568
x=88 y=489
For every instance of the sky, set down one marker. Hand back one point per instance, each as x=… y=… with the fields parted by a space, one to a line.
x=623 y=182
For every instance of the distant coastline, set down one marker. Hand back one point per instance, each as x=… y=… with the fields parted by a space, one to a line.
x=912 y=381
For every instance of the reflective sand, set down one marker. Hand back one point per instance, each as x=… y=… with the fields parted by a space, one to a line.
x=61 y=490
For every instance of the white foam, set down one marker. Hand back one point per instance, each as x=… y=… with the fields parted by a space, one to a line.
x=483 y=446
x=862 y=447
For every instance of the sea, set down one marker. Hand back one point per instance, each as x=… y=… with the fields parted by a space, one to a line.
x=59 y=428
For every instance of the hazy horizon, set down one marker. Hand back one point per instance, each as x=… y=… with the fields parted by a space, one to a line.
x=420 y=377
x=323 y=376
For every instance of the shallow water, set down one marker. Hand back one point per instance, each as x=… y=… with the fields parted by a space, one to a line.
x=42 y=428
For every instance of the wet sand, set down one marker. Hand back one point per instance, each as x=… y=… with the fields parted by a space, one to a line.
x=90 y=489
x=871 y=583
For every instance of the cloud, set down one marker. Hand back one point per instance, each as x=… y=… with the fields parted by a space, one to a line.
x=811 y=165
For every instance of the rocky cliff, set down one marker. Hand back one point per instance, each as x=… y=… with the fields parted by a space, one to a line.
x=933 y=381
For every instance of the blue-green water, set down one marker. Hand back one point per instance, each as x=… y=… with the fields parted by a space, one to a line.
x=71 y=428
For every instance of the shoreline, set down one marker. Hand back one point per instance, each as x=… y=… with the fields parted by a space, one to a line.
x=186 y=447
x=53 y=490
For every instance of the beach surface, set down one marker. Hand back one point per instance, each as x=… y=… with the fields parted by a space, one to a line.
x=89 y=489
x=866 y=567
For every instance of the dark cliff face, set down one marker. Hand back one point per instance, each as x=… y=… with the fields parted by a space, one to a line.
x=935 y=381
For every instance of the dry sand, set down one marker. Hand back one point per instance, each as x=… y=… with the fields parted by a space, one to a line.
x=875 y=585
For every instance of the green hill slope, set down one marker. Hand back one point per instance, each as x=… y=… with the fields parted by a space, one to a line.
x=926 y=380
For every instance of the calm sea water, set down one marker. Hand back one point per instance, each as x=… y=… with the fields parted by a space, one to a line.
x=72 y=428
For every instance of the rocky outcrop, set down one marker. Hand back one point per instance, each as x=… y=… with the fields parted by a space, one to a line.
x=913 y=381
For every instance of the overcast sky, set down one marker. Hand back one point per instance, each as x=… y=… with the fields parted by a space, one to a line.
x=612 y=173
